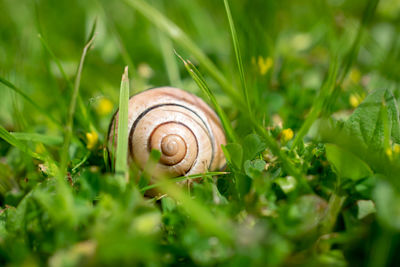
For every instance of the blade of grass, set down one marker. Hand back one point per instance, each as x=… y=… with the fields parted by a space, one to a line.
x=170 y=62
x=29 y=100
x=41 y=138
x=350 y=57
x=71 y=111
x=331 y=88
x=121 y=164
x=324 y=94
x=84 y=159
x=123 y=50
x=82 y=107
x=177 y=35
x=239 y=62
x=12 y=140
x=271 y=143
x=212 y=223
x=197 y=77
x=49 y=163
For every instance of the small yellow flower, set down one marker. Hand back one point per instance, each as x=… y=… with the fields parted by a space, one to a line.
x=355 y=76
x=389 y=152
x=287 y=135
x=104 y=106
x=396 y=148
x=355 y=100
x=92 y=139
x=264 y=65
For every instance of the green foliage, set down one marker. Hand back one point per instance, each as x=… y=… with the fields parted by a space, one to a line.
x=375 y=123
x=346 y=164
x=313 y=143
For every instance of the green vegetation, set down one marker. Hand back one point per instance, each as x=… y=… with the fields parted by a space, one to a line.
x=307 y=92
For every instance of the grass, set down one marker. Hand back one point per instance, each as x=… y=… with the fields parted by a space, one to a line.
x=307 y=94
x=121 y=165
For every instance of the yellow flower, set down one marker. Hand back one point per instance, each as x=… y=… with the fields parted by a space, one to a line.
x=355 y=100
x=389 y=152
x=92 y=139
x=287 y=135
x=355 y=75
x=264 y=65
x=104 y=106
x=396 y=148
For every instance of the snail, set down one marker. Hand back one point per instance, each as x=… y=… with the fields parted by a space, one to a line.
x=186 y=131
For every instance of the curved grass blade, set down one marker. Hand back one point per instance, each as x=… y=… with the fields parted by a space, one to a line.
x=28 y=99
x=176 y=34
x=239 y=61
x=49 y=163
x=320 y=103
x=198 y=78
x=331 y=88
x=41 y=138
x=12 y=140
x=271 y=143
x=82 y=107
x=169 y=60
x=71 y=111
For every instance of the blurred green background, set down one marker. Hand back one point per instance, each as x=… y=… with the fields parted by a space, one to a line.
x=298 y=39
x=287 y=47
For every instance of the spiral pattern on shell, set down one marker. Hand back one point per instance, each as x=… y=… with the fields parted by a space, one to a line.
x=180 y=125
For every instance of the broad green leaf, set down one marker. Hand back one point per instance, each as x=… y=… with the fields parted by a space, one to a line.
x=387 y=201
x=254 y=168
x=377 y=114
x=252 y=146
x=346 y=164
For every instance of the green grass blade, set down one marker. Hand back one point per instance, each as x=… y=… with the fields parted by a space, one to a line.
x=271 y=142
x=239 y=61
x=29 y=100
x=121 y=164
x=56 y=60
x=197 y=77
x=322 y=100
x=352 y=54
x=169 y=60
x=212 y=223
x=71 y=110
x=12 y=140
x=332 y=86
x=177 y=35
x=82 y=107
x=41 y=138
x=122 y=47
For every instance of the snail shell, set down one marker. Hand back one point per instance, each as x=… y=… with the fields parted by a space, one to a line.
x=180 y=125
